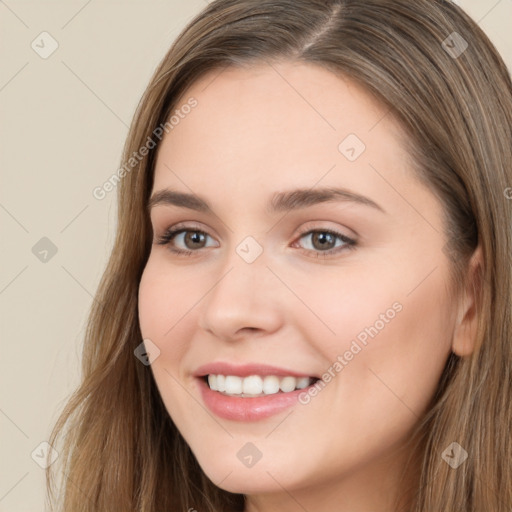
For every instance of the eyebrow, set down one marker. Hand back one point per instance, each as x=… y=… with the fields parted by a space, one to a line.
x=280 y=201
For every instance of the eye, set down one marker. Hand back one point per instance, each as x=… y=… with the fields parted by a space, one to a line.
x=191 y=237
x=323 y=242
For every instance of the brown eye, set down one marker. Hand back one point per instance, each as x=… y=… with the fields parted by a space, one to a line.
x=194 y=239
x=191 y=240
x=323 y=242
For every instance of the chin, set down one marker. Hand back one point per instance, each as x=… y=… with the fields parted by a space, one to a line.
x=264 y=476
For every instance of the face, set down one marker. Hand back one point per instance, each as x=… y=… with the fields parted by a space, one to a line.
x=273 y=281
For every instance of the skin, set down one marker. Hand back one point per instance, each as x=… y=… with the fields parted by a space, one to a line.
x=267 y=129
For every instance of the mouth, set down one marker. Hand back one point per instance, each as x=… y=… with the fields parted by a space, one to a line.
x=244 y=398
x=254 y=386
x=251 y=391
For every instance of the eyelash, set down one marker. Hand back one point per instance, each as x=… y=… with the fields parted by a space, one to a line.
x=170 y=234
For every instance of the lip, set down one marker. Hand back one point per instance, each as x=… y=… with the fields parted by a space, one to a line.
x=247 y=409
x=244 y=370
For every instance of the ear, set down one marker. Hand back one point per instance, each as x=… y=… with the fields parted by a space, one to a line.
x=464 y=336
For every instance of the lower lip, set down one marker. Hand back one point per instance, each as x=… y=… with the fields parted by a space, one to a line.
x=250 y=408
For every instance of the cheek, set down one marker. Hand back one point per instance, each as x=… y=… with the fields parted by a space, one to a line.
x=395 y=312
x=346 y=307
x=393 y=346
x=420 y=341
x=384 y=366
x=164 y=303
x=164 y=308
x=389 y=342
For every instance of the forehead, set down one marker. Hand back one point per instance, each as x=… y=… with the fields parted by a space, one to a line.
x=278 y=124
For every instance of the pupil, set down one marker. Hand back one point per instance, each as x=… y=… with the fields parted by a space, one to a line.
x=195 y=237
x=323 y=238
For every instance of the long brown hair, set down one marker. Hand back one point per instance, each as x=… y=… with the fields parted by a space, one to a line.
x=443 y=80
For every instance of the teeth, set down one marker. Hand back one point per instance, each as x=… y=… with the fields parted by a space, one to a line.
x=254 y=385
x=270 y=385
x=221 y=383
x=233 y=384
x=303 y=382
x=287 y=384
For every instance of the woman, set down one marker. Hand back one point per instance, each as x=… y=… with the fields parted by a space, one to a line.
x=307 y=306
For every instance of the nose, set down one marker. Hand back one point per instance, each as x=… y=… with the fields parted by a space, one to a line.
x=245 y=299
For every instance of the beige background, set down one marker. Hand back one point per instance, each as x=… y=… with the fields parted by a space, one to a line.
x=63 y=123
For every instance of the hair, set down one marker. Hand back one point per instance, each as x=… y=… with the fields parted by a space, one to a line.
x=121 y=450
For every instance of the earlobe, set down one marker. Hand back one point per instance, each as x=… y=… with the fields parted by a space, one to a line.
x=464 y=336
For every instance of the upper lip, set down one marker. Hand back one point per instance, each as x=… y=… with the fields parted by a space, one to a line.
x=244 y=370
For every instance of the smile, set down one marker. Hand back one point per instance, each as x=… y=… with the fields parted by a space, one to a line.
x=250 y=391
x=256 y=385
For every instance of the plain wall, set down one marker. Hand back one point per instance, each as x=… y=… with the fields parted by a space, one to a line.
x=64 y=120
